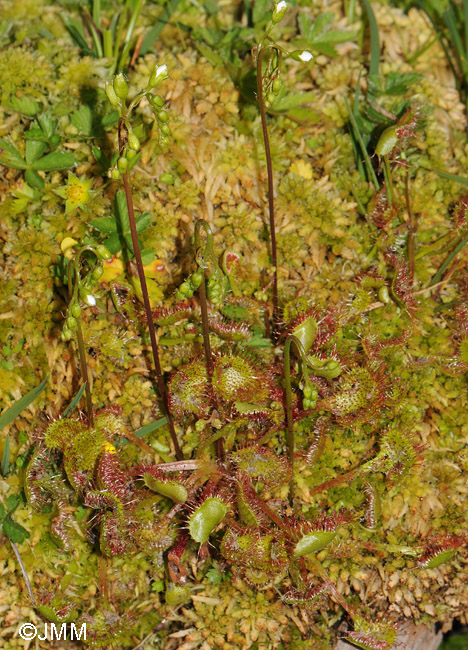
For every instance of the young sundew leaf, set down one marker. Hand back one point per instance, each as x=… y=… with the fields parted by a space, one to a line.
x=10 y=414
x=205 y=518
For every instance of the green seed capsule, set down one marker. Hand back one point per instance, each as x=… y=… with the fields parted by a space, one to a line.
x=114 y=174
x=165 y=128
x=72 y=323
x=270 y=98
x=130 y=155
x=277 y=85
x=66 y=334
x=75 y=310
x=185 y=289
x=197 y=279
x=121 y=86
x=103 y=253
x=111 y=95
x=163 y=116
x=122 y=164
x=97 y=272
x=163 y=139
x=133 y=142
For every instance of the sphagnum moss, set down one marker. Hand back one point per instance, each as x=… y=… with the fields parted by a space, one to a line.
x=217 y=162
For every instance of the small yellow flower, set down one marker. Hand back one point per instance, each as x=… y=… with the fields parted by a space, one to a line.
x=77 y=192
x=302 y=168
x=109 y=447
x=66 y=246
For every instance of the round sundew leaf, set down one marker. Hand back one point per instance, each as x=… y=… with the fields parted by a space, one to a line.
x=313 y=542
x=440 y=558
x=205 y=519
x=171 y=489
x=306 y=332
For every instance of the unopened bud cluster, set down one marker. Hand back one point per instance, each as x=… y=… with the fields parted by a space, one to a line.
x=162 y=118
x=129 y=152
x=85 y=293
x=189 y=286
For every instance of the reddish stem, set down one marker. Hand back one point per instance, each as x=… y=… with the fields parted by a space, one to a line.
x=149 y=318
x=271 y=199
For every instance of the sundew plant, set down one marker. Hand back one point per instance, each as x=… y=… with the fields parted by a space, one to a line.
x=234 y=327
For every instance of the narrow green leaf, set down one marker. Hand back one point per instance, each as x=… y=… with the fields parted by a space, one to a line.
x=259 y=10
x=10 y=156
x=73 y=404
x=54 y=161
x=147 y=256
x=33 y=178
x=105 y=224
x=34 y=150
x=374 y=39
x=451 y=177
x=143 y=221
x=24 y=105
x=10 y=414
x=47 y=124
x=11 y=503
x=367 y=162
x=4 y=467
x=110 y=119
x=113 y=243
x=149 y=428
x=14 y=531
x=121 y=212
x=82 y=119
x=162 y=21
x=2 y=512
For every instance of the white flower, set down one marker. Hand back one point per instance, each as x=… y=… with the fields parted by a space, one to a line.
x=159 y=75
x=90 y=300
x=306 y=56
x=279 y=11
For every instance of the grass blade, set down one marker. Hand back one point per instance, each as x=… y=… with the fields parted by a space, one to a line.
x=6 y=457
x=10 y=414
x=162 y=21
x=374 y=39
x=367 y=162
x=149 y=428
x=73 y=404
x=451 y=177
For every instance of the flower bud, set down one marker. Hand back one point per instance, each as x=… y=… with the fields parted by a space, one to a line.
x=66 y=334
x=158 y=76
x=75 y=310
x=72 y=323
x=163 y=116
x=302 y=55
x=111 y=96
x=279 y=11
x=114 y=173
x=121 y=86
x=156 y=101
